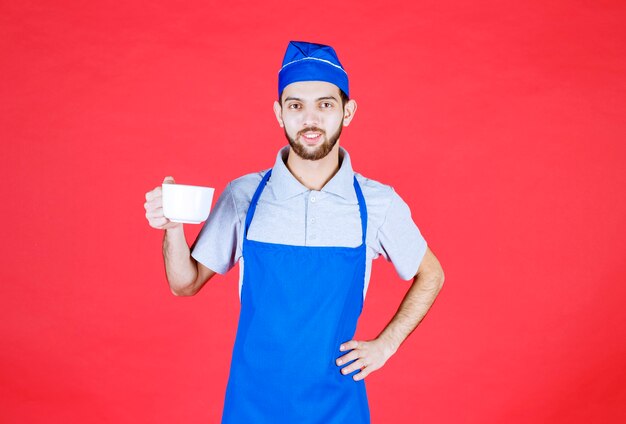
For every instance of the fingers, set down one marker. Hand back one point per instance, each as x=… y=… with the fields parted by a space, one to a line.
x=361 y=375
x=356 y=365
x=159 y=223
x=158 y=192
x=352 y=344
x=154 y=206
x=154 y=212
x=354 y=354
x=363 y=356
x=151 y=195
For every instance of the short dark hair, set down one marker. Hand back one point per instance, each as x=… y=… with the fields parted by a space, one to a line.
x=343 y=96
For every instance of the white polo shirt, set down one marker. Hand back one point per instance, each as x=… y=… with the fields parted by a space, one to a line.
x=289 y=213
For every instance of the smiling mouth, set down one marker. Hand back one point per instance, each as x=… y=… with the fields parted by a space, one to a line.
x=311 y=137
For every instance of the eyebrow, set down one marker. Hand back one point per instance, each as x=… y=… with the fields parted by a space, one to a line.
x=317 y=100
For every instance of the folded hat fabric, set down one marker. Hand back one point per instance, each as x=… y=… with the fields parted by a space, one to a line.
x=305 y=61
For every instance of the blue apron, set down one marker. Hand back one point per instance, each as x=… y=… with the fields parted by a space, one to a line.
x=298 y=304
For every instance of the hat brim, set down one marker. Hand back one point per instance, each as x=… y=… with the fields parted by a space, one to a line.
x=310 y=70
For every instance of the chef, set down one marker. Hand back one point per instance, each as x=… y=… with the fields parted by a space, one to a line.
x=304 y=233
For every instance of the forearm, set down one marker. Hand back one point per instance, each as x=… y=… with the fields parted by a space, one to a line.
x=414 y=306
x=180 y=268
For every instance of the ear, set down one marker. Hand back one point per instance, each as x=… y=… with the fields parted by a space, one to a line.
x=278 y=112
x=348 y=112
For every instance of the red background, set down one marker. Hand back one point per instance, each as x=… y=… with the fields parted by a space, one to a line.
x=500 y=123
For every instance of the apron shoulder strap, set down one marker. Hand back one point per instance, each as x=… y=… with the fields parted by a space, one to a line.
x=254 y=201
x=362 y=209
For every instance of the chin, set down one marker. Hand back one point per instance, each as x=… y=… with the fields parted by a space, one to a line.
x=315 y=152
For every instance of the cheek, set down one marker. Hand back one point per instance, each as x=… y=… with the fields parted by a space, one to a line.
x=335 y=122
x=290 y=119
x=290 y=126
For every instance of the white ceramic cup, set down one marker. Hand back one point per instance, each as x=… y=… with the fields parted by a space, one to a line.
x=186 y=203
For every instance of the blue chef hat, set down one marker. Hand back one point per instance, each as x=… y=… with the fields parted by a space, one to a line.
x=311 y=62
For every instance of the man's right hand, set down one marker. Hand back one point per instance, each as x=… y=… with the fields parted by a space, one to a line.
x=154 y=208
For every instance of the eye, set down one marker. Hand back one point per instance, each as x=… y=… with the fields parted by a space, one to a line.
x=326 y=105
x=294 y=106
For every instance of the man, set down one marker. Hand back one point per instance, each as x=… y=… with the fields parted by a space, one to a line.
x=304 y=233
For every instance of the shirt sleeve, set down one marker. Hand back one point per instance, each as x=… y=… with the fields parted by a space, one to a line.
x=216 y=246
x=400 y=240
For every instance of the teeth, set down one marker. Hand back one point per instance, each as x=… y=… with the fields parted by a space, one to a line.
x=311 y=135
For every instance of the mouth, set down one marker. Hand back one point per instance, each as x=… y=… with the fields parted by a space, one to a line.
x=311 y=137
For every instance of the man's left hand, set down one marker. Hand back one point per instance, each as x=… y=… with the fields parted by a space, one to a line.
x=368 y=356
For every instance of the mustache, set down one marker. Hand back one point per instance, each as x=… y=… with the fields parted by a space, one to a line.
x=311 y=129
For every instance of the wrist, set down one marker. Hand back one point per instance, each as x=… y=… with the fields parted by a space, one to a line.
x=174 y=229
x=390 y=347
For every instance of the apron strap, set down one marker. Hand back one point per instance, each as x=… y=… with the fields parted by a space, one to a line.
x=266 y=177
x=254 y=201
x=362 y=209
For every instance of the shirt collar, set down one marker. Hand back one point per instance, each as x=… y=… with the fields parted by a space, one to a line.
x=284 y=185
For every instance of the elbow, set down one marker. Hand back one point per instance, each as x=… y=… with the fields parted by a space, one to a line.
x=433 y=280
x=440 y=279
x=430 y=273
x=183 y=291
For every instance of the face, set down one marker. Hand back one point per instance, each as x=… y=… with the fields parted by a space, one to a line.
x=312 y=116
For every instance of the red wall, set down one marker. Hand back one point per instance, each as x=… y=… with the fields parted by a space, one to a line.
x=500 y=123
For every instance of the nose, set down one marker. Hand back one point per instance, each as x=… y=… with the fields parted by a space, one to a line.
x=310 y=118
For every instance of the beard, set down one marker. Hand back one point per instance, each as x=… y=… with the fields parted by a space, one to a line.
x=320 y=151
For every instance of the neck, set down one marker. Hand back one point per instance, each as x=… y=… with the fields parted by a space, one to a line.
x=314 y=174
